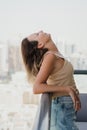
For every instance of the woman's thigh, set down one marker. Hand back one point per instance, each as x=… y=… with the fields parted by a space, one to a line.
x=63 y=115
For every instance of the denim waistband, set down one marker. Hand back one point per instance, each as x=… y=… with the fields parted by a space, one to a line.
x=62 y=99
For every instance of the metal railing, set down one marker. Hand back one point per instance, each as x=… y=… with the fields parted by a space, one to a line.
x=84 y=72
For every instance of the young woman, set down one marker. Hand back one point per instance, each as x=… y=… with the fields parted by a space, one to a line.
x=51 y=72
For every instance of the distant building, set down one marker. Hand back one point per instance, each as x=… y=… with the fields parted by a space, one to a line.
x=30 y=98
x=14 y=58
x=66 y=48
x=78 y=59
x=3 y=60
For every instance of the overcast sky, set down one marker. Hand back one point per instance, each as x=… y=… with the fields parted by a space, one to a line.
x=66 y=20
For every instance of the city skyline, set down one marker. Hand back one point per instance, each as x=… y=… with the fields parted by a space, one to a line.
x=65 y=20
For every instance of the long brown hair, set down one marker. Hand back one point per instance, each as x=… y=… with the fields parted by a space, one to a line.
x=32 y=57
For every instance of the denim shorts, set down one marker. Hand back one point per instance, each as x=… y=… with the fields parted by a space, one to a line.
x=63 y=114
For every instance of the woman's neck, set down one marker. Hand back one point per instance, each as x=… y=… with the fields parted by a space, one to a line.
x=51 y=46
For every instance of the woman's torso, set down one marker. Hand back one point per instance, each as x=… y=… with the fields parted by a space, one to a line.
x=62 y=74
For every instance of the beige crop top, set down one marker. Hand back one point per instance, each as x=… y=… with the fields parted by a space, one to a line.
x=63 y=77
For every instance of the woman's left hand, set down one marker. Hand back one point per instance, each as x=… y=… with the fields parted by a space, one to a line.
x=75 y=98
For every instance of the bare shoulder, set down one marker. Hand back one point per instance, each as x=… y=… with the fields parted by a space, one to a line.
x=46 y=67
x=49 y=58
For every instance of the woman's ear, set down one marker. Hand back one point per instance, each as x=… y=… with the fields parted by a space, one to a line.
x=40 y=45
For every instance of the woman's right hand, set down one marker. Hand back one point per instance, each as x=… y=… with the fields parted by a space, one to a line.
x=75 y=98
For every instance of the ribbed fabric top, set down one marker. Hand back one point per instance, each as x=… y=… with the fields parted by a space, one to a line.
x=63 y=77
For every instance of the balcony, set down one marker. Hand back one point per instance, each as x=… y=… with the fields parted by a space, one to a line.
x=18 y=108
x=82 y=114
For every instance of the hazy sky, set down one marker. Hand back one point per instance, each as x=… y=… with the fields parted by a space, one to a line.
x=66 y=20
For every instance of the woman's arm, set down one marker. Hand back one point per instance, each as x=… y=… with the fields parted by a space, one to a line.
x=40 y=85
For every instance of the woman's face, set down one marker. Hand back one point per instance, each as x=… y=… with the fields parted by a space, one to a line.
x=40 y=36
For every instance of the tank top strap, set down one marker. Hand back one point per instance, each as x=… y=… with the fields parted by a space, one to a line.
x=57 y=54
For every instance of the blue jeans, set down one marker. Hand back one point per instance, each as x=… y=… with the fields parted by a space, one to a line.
x=63 y=114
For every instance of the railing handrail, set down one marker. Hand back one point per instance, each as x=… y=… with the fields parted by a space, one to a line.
x=80 y=72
